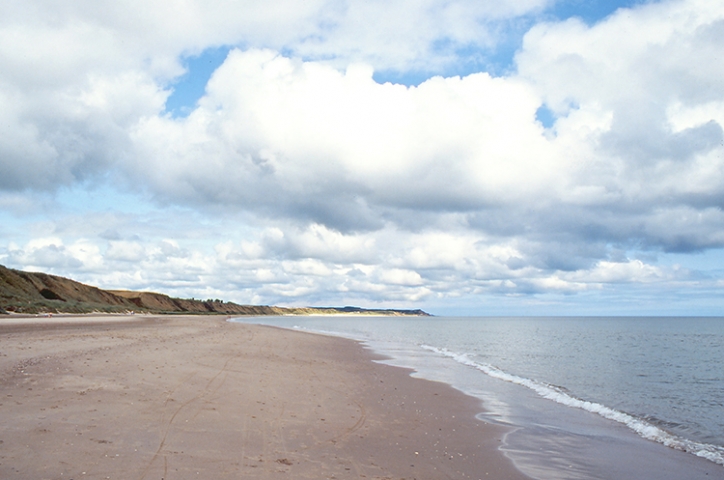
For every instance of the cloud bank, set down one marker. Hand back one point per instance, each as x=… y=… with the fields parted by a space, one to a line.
x=298 y=178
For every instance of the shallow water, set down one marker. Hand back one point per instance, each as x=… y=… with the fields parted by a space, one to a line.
x=588 y=397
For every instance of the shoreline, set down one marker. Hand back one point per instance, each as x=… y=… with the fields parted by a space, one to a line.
x=147 y=396
x=548 y=438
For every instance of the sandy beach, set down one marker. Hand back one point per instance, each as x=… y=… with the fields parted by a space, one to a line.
x=141 y=397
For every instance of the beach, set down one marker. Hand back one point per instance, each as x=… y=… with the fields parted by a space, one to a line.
x=175 y=397
x=651 y=411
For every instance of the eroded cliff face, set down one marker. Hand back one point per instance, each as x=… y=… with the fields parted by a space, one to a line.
x=34 y=292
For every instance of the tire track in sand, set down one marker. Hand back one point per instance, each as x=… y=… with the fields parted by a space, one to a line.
x=205 y=392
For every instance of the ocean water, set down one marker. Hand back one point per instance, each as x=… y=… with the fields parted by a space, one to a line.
x=585 y=397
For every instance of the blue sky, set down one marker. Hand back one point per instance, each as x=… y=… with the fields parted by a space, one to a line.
x=462 y=157
x=191 y=86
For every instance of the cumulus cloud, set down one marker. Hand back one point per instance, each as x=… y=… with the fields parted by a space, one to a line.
x=75 y=76
x=651 y=76
x=125 y=251
x=409 y=34
x=43 y=253
x=346 y=152
x=315 y=181
x=342 y=149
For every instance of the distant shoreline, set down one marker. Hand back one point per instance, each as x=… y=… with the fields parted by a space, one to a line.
x=40 y=293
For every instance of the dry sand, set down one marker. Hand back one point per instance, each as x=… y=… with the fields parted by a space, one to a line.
x=197 y=397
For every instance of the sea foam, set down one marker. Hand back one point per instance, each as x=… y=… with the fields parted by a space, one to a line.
x=643 y=428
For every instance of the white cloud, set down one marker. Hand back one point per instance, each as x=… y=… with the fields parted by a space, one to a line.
x=306 y=267
x=409 y=34
x=633 y=271
x=339 y=147
x=41 y=254
x=125 y=251
x=635 y=66
x=314 y=181
x=76 y=75
x=397 y=276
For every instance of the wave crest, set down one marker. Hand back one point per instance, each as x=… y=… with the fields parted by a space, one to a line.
x=557 y=394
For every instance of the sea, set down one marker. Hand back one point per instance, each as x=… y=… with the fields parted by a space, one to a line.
x=584 y=397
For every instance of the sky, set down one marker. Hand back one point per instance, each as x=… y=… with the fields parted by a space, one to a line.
x=518 y=157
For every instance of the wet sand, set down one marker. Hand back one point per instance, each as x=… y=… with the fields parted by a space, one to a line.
x=197 y=397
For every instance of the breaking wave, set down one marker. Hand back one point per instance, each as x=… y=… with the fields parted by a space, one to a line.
x=643 y=428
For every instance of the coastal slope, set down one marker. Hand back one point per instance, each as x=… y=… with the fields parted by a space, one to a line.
x=35 y=292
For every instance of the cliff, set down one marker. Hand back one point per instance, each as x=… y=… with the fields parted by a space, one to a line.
x=33 y=292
